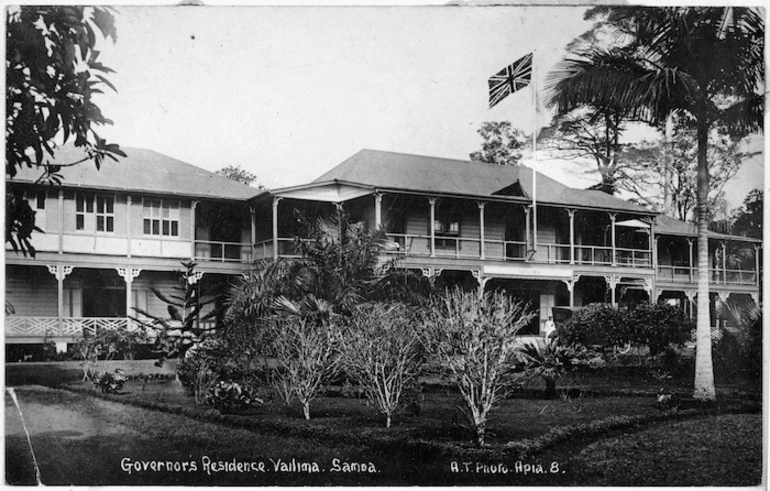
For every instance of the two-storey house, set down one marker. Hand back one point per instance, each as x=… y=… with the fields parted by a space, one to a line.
x=114 y=233
x=475 y=223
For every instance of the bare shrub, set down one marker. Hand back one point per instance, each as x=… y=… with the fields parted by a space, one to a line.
x=380 y=349
x=473 y=337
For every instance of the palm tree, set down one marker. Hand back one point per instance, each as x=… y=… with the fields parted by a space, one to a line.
x=702 y=64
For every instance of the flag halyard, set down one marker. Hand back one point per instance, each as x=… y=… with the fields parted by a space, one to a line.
x=510 y=79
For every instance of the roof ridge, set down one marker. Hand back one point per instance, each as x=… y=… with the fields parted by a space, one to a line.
x=434 y=157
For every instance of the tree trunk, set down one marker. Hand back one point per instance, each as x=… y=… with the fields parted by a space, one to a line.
x=480 y=433
x=704 y=369
x=306 y=410
x=387 y=420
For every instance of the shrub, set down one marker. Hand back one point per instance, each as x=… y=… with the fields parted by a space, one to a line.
x=740 y=345
x=306 y=355
x=105 y=344
x=474 y=339
x=608 y=328
x=216 y=359
x=230 y=397
x=110 y=383
x=658 y=327
x=598 y=325
x=380 y=350
x=553 y=358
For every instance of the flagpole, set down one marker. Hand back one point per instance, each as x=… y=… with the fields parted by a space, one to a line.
x=534 y=152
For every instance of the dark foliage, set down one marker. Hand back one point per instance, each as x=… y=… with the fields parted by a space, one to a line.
x=49 y=93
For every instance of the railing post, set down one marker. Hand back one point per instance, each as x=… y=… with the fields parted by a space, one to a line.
x=276 y=200
x=481 y=229
x=432 y=202
x=689 y=241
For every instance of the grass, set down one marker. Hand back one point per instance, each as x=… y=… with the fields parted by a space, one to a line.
x=571 y=431
x=680 y=453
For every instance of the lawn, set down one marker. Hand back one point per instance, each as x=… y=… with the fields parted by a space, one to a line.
x=601 y=431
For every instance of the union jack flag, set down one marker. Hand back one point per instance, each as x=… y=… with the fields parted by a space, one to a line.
x=510 y=79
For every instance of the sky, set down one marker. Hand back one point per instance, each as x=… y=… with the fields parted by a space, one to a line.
x=289 y=92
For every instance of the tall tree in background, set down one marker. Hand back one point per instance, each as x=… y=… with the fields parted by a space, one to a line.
x=707 y=63
x=502 y=143
x=678 y=156
x=594 y=133
x=52 y=73
x=748 y=219
x=238 y=173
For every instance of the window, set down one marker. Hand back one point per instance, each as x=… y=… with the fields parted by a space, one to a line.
x=161 y=217
x=35 y=198
x=449 y=228
x=105 y=214
x=93 y=212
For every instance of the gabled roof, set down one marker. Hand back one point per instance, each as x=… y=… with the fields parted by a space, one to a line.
x=142 y=171
x=666 y=225
x=400 y=171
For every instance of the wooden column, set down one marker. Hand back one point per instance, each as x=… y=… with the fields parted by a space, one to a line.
x=276 y=200
x=724 y=262
x=653 y=242
x=571 y=236
x=756 y=263
x=128 y=224
x=61 y=221
x=60 y=272
x=526 y=226
x=432 y=202
x=614 y=254
x=481 y=229
x=611 y=284
x=690 y=294
x=689 y=241
x=253 y=215
x=128 y=274
x=193 y=207
x=377 y=210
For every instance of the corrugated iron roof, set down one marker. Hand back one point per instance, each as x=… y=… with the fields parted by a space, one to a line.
x=666 y=225
x=143 y=171
x=450 y=176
